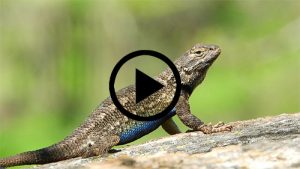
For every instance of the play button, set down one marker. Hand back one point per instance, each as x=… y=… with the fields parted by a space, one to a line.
x=145 y=85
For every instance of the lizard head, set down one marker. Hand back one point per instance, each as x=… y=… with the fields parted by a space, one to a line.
x=194 y=64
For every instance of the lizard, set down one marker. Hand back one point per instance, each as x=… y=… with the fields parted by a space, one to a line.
x=106 y=126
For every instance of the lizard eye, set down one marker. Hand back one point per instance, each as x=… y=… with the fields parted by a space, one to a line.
x=198 y=52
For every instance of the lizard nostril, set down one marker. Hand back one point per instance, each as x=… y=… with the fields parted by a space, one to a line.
x=213 y=47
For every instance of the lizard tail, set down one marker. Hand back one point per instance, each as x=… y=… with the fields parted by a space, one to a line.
x=56 y=152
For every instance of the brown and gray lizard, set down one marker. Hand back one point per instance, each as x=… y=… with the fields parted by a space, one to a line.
x=107 y=126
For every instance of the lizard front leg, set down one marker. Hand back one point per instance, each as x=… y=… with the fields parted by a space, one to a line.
x=184 y=113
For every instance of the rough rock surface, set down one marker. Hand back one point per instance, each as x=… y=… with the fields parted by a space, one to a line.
x=271 y=142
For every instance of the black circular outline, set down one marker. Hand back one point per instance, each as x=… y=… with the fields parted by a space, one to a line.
x=133 y=55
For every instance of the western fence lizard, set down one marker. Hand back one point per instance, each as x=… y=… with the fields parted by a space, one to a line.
x=107 y=126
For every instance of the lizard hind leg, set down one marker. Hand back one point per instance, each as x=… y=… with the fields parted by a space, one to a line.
x=100 y=146
x=170 y=127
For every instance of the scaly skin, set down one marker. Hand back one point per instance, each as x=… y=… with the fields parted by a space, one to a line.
x=107 y=126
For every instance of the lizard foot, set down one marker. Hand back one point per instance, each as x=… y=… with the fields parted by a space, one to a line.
x=113 y=150
x=219 y=127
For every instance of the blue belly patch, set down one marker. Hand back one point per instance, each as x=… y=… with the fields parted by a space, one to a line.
x=142 y=128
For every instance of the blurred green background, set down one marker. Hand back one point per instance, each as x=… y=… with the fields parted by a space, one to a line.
x=56 y=58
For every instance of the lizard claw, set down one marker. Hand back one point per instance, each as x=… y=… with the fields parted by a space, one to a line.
x=219 y=127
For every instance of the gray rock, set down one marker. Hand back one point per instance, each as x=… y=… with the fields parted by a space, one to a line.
x=271 y=142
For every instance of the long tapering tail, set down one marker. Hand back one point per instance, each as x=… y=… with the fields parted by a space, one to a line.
x=56 y=152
